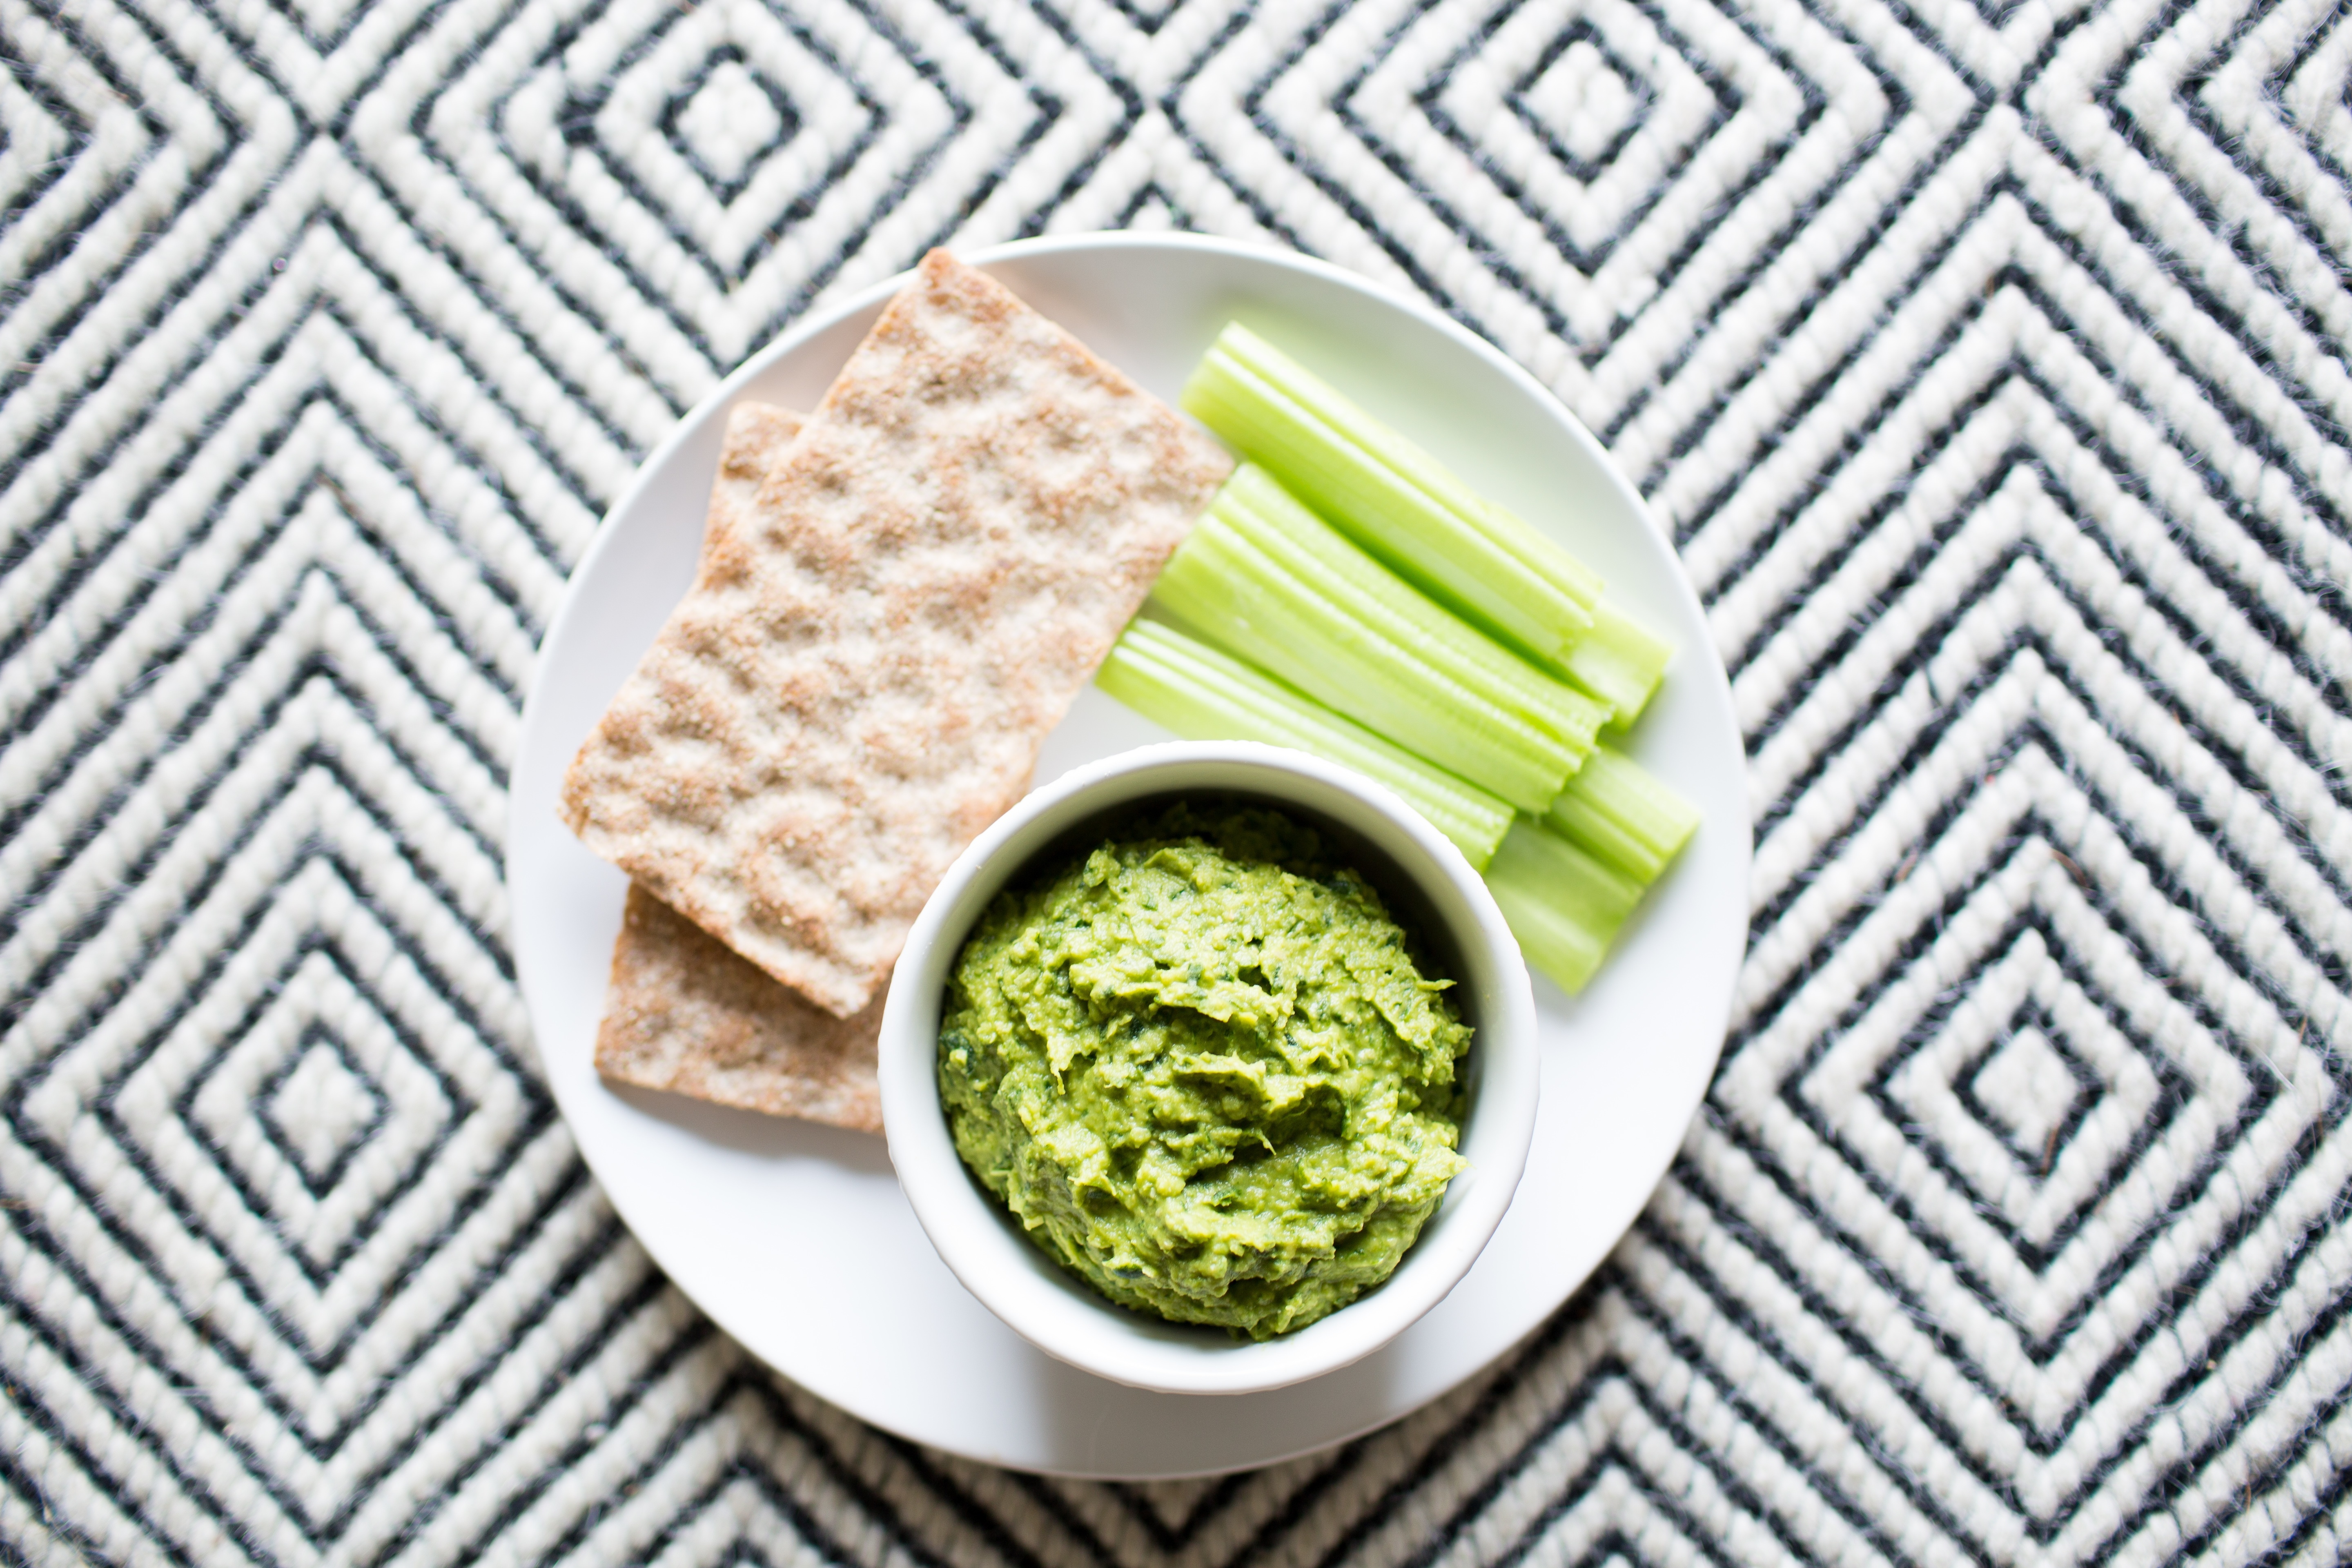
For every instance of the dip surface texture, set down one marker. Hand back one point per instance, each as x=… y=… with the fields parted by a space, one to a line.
x=1202 y=1066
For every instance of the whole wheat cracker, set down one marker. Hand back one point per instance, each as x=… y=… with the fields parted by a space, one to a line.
x=859 y=680
x=685 y=1013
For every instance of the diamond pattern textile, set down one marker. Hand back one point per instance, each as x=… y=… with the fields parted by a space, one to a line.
x=1987 y=362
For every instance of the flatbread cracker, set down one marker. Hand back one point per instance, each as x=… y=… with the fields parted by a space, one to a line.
x=756 y=437
x=684 y=1014
x=879 y=640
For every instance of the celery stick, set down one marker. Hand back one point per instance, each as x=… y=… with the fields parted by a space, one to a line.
x=1205 y=695
x=1621 y=815
x=1564 y=906
x=1392 y=498
x=1221 y=584
x=1617 y=661
x=1325 y=403
x=1269 y=517
x=1482 y=817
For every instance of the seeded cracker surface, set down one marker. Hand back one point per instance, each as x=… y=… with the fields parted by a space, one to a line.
x=859 y=679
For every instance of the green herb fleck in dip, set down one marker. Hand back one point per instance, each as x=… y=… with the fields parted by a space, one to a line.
x=1204 y=1068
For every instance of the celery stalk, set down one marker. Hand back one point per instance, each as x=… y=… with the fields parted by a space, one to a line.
x=1256 y=507
x=1205 y=695
x=1617 y=661
x=1617 y=812
x=1224 y=585
x=1391 y=497
x=1565 y=906
x=1410 y=462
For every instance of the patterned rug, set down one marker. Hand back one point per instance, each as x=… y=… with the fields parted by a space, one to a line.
x=1987 y=360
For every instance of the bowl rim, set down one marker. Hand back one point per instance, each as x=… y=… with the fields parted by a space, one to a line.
x=1013 y=1277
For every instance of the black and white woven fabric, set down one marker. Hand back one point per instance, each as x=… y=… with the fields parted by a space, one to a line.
x=1987 y=360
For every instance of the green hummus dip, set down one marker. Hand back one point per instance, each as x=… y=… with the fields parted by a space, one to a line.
x=1202 y=1066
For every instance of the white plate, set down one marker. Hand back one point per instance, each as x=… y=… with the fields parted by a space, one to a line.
x=795 y=1238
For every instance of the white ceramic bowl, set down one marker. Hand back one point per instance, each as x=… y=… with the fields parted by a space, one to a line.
x=1418 y=873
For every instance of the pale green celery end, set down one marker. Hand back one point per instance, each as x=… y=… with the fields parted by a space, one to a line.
x=1443 y=552
x=1583 y=824
x=1256 y=506
x=1408 y=706
x=1566 y=951
x=1133 y=679
x=1607 y=682
x=1204 y=694
x=1624 y=814
x=1648 y=806
x=1618 y=661
x=1564 y=906
x=1641 y=645
x=1411 y=462
x=1581 y=882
